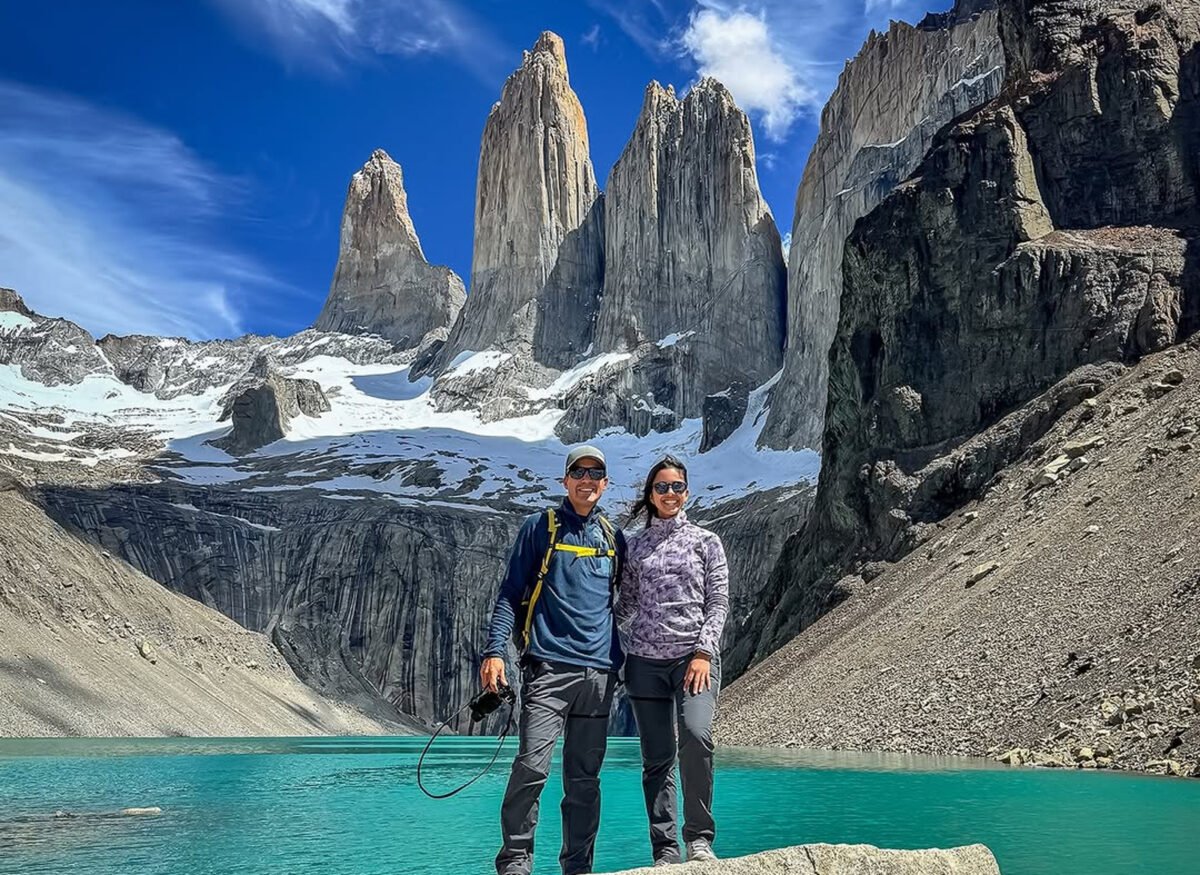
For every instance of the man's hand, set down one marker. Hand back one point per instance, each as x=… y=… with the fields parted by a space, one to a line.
x=699 y=674
x=491 y=674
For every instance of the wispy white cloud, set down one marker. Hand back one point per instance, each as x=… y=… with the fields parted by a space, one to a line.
x=110 y=222
x=870 y=7
x=736 y=49
x=592 y=37
x=649 y=25
x=326 y=35
x=780 y=58
x=818 y=37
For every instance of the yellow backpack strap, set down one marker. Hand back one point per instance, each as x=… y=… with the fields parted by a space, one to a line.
x=552 y=528
x=576 y=550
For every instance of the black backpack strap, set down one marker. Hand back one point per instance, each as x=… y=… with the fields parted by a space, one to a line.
x=610 y=535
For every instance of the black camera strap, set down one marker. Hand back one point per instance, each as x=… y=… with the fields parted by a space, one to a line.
x=512 y=712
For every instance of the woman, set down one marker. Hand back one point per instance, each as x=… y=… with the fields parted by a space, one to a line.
x=673 y=599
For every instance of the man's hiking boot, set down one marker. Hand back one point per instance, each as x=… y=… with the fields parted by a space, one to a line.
x=700 y=849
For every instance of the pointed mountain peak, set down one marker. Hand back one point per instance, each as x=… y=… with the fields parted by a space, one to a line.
x=378 y=188
x=709 y=87
x=550 y=43
x=10 y=301
x=708 y=264
x=382 y=283
x=534 y=190
x=655 y=92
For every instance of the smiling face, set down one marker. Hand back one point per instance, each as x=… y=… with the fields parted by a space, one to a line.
x=584 y=492
x=670 y=504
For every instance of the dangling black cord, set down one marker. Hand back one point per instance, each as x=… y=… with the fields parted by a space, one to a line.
x=512 y=712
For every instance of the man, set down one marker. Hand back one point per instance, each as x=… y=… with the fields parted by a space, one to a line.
x=557 y=597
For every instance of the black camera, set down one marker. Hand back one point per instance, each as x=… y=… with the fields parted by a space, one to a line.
x=487 y=701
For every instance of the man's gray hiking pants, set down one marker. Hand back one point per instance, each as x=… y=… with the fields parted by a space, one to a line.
x=557 y=700
x=655 y=690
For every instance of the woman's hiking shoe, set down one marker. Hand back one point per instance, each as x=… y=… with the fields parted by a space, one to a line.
x=700 y=849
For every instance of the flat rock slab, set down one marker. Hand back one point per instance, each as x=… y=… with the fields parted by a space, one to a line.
x=845 y=860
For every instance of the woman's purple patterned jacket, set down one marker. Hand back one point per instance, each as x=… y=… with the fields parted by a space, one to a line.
x=674 y=590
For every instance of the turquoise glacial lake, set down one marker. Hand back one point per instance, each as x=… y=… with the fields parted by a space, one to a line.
x=351 y=806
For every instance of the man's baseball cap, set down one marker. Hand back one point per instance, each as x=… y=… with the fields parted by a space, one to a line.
x=585 y=452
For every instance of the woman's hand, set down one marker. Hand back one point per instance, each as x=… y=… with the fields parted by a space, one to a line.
x=699 y=674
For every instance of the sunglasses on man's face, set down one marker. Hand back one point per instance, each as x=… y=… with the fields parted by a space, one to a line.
x=578 y=473
x=677 y=486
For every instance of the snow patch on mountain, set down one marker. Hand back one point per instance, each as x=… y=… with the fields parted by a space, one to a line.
x=384 y=434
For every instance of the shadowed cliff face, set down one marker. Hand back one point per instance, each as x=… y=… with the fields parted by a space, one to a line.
x=372 y=602
x=565 y=313
x=892 y=98
x=1012 y=258
x=368 y=600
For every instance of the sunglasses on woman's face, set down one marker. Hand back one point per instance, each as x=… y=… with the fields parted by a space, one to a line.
x=677 y=486
x=578 y=473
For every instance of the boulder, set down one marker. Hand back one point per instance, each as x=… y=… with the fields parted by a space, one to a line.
x=824 y=859
x=981 y=571
x=1076 y=448
x=263 y=404
x=723 y=413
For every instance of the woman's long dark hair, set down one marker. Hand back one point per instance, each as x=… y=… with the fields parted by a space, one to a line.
x=644 y=503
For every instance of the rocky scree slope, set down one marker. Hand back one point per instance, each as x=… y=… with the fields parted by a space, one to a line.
x=1054 y=621
x=1015 y=257
x=90 y=646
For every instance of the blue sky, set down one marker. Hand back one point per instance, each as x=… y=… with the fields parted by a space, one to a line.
x=179 y=167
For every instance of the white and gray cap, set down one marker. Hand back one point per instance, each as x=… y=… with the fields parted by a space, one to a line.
x=585 y=452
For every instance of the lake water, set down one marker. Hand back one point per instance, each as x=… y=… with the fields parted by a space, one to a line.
x=351 y=805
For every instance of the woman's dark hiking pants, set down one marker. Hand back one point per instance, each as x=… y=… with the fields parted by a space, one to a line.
x=557 y=700
x=655 y=690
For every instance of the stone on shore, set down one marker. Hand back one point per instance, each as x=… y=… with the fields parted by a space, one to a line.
x=822 y=859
